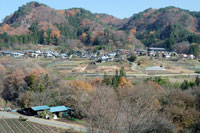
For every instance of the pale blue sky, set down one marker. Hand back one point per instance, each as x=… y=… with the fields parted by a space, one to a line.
x=117 y=8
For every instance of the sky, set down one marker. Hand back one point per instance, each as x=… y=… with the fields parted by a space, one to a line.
x=117 y=8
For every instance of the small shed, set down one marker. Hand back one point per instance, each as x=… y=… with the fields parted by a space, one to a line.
x=61 y=109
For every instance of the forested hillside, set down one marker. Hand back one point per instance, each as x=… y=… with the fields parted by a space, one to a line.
x=39 y=24
x=35 y=23
x=165 y=27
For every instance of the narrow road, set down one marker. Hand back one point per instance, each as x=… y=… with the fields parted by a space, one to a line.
x=133 y=67
x=45 y=122
x=142 y=75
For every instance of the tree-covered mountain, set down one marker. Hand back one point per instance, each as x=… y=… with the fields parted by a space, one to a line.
x=36 y=23
x=165 y=27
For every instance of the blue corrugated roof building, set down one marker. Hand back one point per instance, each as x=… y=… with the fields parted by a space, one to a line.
x=155 y=69
x=38 y=108
x=59 y=109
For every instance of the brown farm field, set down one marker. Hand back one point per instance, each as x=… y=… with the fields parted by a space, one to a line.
x=19 y=126
x=77 y=68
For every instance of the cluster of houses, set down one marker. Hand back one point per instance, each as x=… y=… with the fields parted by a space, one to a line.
x=32 y=53
x=122 y=54
x=163 y=53
x=100 y=56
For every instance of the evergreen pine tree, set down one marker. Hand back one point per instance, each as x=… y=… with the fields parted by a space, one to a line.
x=122 y=72
x=185 y=85
x=197 y=81
x=115 y=82
x=42 y=87
x=46 y=81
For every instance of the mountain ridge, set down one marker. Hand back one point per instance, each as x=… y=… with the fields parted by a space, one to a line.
x=77 y=27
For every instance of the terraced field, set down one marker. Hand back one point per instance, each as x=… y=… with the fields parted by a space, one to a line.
x=19 y=126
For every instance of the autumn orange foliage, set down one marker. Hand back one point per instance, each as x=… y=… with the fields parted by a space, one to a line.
x=55 y=33
x=83 y=35
x=133 y=30
x=62 y=12
x=45 y=35
x=124 y=83
x=82 y=85
x=72 y=12
x=37 y=72
x=152 y=32
x=5 y=28
x=96 y=81
x=85 y=22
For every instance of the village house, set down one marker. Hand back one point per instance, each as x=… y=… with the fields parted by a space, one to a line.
x=7 y=53
x=29 y=53
x=182 y=56
x=102 y=58
x=63 y=55
x=112 y=54
x=34 y=55
x=191 y=57
x=166 y=56
x=141 y=52
x=154 y=51
x=17 y=54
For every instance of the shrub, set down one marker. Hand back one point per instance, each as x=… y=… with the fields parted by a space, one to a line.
x=81 y=85
x=192 y=84
x=185 y=85
x=132 y=58
x=107 y=79
x=197 y=81
x=23 y=118
x=159 y=80
x=139 y=63
x=118 y=80
x=46 y=114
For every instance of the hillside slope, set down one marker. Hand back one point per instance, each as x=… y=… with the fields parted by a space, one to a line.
x=165 y=27
x=73 y=28
x=77 y=28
